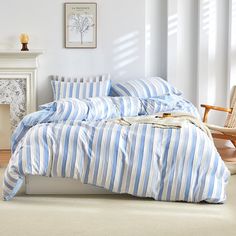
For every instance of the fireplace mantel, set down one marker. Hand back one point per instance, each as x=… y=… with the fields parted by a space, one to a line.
x=18 y=59
x=18 y=77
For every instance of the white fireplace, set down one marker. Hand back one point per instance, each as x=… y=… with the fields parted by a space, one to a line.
x=18 y=77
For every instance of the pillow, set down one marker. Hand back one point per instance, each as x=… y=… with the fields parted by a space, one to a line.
x=144 y=88
x=128 y=106
x=81 y=88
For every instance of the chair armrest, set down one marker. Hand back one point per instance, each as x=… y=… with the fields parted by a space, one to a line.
x=209 y=107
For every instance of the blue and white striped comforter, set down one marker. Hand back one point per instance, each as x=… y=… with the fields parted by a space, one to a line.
x=78 y=139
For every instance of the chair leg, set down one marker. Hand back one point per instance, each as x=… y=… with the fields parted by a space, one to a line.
x=233 y=142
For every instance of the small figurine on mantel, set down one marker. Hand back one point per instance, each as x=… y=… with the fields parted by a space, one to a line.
x=24 y=39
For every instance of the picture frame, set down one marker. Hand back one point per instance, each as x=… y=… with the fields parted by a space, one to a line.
x=80 y=25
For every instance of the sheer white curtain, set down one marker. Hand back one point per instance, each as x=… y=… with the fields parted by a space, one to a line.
x=182 y=41
x=232 y=44
x=201 y=49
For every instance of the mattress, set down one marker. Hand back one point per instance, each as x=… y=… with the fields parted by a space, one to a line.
x=46 y=185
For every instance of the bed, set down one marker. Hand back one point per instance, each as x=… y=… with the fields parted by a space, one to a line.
x=118 y=144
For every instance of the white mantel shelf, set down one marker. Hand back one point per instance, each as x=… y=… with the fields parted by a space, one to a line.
x=20 y=54
x=18 y=59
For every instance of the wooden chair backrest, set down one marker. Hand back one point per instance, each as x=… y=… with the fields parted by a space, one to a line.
x=231 y=118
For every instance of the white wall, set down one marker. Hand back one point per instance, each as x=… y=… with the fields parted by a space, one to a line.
x=121 y=39
x=136 y=38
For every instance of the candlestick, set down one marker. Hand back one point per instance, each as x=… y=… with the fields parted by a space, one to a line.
x=24 y=39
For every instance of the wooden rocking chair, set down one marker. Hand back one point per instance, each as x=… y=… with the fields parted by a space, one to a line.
x=228 y=131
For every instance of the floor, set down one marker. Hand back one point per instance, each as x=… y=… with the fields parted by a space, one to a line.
x=115 y=215
x=4 y=157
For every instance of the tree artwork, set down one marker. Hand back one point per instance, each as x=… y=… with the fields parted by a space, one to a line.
x=81 y=24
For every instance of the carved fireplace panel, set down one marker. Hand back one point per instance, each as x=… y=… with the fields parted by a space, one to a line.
x=13 y=92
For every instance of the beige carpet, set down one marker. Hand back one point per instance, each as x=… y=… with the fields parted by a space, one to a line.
x=115 y=215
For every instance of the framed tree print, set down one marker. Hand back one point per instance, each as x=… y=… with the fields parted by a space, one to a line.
x=80 y=25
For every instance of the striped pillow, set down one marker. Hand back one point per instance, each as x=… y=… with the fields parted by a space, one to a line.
x=144 y=88
x=81 y=88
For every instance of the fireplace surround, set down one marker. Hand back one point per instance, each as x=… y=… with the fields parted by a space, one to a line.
x=18 y=77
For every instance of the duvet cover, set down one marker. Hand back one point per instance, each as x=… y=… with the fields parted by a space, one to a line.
x=80 y=139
